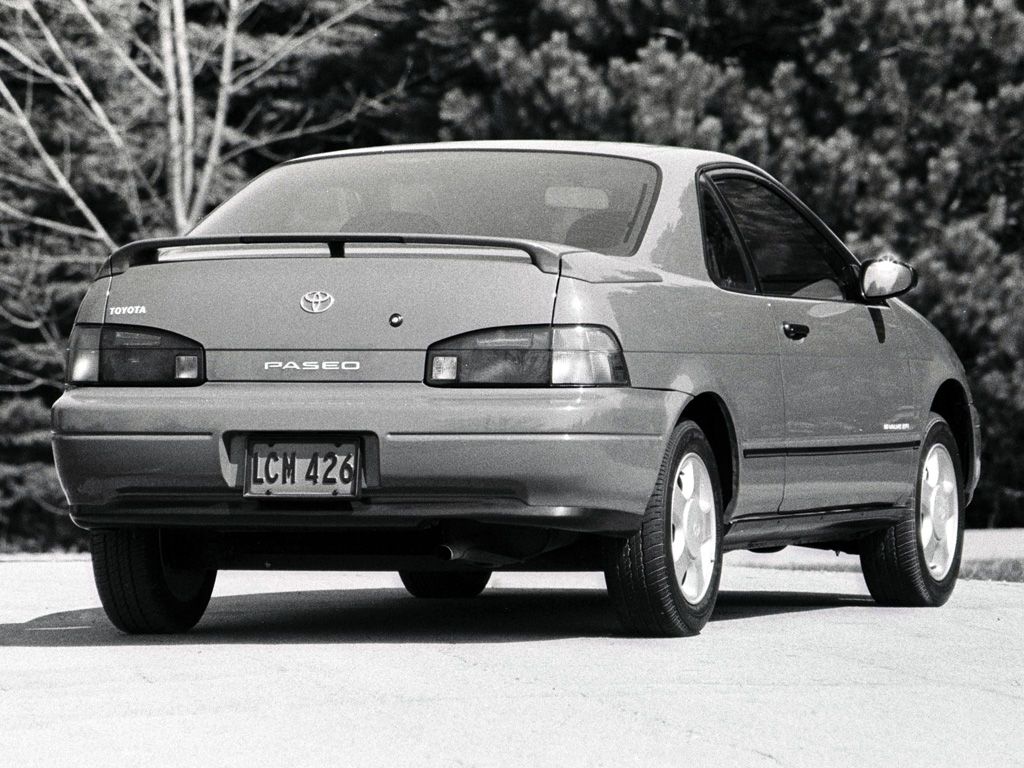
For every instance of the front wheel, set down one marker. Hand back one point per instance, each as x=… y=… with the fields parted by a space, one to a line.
x=141 y=588
x=664 y=578
x=915 y=563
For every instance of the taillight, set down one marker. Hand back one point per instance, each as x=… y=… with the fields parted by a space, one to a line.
x=126 y=354
x=529 y=356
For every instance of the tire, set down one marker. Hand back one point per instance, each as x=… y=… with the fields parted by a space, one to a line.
x=444 y=584
x=140 y=592
x=895 y=561
x=649 y=597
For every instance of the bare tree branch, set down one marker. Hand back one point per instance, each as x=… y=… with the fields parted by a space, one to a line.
x=39 y=69
x=186 y=163
x=117 y=49
x=186 y=94
x=292 y=43
x=95 y=107
x=35 y=300
x=62 y=180
x=249 y=117
x=224 y=91
x=62 y=83
x=39 y=185
x=35 y=383
x=76 y=258
x=146 y=50
x=55 y=226
x=283 y=39
x=174 y=150
x=53 y=509
x=306 y=129
x=17 y=321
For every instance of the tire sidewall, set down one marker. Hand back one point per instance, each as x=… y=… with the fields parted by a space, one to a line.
x=129 y=569
x=182 y=586
x=689 y=438
x=938 y=432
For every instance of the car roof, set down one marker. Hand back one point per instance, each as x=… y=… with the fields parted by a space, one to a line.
x=678 y=159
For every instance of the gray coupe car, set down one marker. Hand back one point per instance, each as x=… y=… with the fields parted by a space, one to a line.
x=450 y=359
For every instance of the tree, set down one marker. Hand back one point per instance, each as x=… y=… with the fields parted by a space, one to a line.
x=158 y=95
x=126 y=118
x=901 y=122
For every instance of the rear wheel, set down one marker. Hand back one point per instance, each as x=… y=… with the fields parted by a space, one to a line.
x=445 y=583
x=141 y=590
x=916 y=562
x=664 y=578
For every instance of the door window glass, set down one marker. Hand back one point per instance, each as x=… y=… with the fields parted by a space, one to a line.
x=790 y=256
x=725 y=257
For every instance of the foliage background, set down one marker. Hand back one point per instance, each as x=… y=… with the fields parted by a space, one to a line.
x=900 y=121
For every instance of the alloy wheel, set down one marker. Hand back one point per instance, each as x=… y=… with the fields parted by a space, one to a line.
x=694 y=531
x=938 y=511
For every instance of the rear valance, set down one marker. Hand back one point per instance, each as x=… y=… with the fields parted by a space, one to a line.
x=545 y=256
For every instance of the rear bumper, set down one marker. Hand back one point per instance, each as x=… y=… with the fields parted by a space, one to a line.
x=578 y=459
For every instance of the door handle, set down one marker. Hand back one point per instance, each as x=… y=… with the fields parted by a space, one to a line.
x=795 y=331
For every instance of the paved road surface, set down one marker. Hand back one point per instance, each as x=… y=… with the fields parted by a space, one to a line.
x=796 y=668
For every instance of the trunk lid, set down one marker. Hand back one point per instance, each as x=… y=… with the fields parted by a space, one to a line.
x=245 y=306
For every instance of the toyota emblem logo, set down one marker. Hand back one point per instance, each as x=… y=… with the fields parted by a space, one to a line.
x=316 y=302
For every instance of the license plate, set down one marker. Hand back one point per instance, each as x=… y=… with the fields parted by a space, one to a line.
x=300 y=468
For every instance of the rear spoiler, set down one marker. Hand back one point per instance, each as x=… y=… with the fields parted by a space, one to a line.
x=546 y=256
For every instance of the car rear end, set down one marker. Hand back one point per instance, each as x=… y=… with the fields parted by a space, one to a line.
x=361 y=399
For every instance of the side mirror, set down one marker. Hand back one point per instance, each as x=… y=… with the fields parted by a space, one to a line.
x=886 y=278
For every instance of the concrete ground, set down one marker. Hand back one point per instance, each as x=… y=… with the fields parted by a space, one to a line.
x=311 y=669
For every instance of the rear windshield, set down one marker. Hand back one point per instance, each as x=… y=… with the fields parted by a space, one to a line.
x=595 y=202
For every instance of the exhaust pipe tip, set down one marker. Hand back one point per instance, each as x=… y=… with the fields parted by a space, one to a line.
x=471 y=555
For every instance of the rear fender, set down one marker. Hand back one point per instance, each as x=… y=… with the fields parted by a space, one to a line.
x=687 y=335
x=94 y=304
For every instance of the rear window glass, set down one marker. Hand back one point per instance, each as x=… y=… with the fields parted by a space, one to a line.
x=599 y=203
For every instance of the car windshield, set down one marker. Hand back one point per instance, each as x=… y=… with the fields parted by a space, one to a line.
x=595 y=202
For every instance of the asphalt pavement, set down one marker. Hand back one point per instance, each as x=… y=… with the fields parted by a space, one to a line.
x=796 y=668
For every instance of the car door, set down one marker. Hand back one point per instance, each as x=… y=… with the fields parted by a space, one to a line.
x=750 y=369
x=844 y=365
